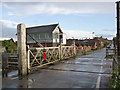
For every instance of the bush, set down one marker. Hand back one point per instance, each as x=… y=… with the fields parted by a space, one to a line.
x=6 y=43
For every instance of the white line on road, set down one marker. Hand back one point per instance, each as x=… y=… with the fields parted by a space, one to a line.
x=98 y=81
x=99 y=76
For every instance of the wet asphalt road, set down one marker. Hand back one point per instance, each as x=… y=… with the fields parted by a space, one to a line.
x=88 y=71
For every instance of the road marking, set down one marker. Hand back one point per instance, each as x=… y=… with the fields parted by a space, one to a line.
x=98 y=81
x=99 y=77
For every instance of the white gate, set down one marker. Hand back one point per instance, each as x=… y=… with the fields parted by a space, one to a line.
x=38 y=57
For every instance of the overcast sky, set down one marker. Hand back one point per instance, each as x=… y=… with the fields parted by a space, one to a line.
x=77 y=19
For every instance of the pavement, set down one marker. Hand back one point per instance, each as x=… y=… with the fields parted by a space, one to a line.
x=87 y=71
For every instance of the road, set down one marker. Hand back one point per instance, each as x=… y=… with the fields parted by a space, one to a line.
x=88 y=71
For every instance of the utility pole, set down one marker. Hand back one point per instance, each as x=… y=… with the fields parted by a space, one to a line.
x=118 y=28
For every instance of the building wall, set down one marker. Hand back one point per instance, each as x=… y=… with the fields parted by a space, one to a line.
x=55 y=35
x=40 y=37
x=95 y=46
x=44 y=44
x=64 y=38
x=87 y=48
x=51 y=39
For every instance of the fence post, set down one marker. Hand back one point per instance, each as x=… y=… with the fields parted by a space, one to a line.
x=60 y=52
x=4 y=60
x=4 y=64
x=61 y=55
x=113 y=65
x=107 y=53
x=74 y=48
x=115 y=50
x=22 y=61
x=28 y=59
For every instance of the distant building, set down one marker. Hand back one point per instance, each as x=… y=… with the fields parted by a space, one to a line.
x=101 y=42
x=89 y=44
x=47 y=35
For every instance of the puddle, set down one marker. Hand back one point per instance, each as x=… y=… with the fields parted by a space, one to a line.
x=14 y=78
x=25 y=82
x=86 y=63
x=12 y=73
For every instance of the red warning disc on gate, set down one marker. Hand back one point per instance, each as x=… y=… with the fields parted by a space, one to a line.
x=76 y=47
x=44 y=56
x=70 y=51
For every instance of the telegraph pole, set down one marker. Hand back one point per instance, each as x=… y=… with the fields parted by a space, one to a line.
x=118 y=28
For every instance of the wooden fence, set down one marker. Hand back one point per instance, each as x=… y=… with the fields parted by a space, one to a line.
x=110 y=52
x=9 y=61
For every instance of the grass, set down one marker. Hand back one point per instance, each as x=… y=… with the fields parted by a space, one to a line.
x=90 y=50
x=114 y=80
x=78 y=54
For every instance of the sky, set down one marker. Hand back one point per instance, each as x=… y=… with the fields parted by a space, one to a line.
x=76 y=19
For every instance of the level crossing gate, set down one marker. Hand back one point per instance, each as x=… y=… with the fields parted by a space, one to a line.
x=38 y=57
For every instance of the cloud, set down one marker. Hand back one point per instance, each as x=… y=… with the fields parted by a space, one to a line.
x=8 y=23
x=27 y=8
x=83 y=34
x=59 y=0
x=10 y=14
x=9 y=29
x=108 y=35
x=108 y=30
x=4 y=39
x=79 y=34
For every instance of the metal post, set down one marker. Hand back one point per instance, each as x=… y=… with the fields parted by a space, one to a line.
x=22 y=61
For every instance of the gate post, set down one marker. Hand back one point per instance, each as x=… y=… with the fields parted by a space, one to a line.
x=60 y=52
x=107 y=53
x=74 y=48
x=21 y=38
x=4 y=61
x=28 y=59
